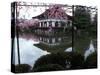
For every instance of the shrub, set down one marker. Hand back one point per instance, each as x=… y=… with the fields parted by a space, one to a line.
x=77 y=61
x=74 y=60
x=22 y=68
x=54 y=58
x=48 y=67
x=50 y=59
x=91 y=61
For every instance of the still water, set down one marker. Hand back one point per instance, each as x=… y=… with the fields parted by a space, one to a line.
x=28 y=52
x=33 y=47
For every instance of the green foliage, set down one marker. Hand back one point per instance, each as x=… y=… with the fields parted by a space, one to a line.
x=22 y=68
x=82 y=17
x=76 y=60
x=51 y=59
x=91 y=61
x=81 y=43
x=93 y=28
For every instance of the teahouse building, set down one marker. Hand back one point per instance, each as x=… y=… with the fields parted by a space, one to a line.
x=54 y=17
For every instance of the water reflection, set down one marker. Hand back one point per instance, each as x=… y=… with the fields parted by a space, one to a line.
x=28 y=52
x=33 y=46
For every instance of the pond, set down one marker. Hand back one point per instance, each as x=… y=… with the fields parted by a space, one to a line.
x=33 y=46
x=28 y=52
